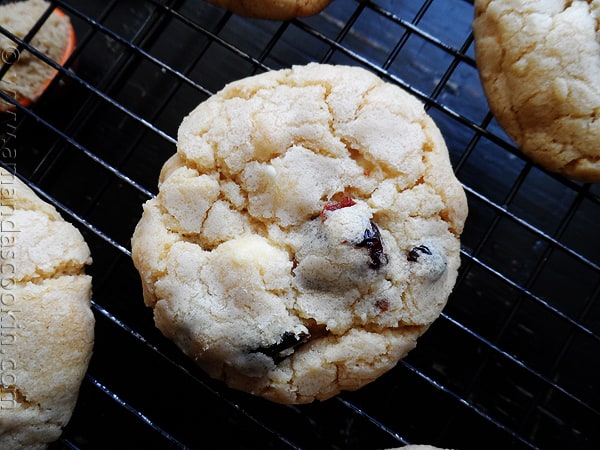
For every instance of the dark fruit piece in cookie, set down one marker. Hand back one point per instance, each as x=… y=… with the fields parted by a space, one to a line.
x=427 y=263
x=373 y=243
x=281 y=350
x=415 y=252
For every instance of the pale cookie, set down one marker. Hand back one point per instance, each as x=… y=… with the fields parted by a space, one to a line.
x=305 y=233
x=273 y=9
x=47 y=323
x=417 y=447
x=539 y=63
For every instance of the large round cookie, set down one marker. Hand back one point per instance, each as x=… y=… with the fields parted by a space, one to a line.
x=45 y=316
x=539 y=63
x=305 y=234
x=273 y=9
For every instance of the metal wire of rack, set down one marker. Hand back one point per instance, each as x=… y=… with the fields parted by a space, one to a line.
x=513 y=361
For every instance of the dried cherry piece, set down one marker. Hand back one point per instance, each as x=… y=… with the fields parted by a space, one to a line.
x=415 y=252
x=428 y=264
x=289 y=340
x=373 y=243
x=344 y=202
x=382 y=304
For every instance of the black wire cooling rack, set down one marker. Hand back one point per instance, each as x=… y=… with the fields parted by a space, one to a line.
x=514 y=360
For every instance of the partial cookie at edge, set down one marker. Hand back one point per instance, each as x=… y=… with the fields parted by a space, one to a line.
x=273 y=9
x=46 y=299
x=539 y=64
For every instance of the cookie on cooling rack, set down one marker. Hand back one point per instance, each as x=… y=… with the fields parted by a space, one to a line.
x=29 y=75
x=539 y=64
x=45 y=315
x=273 y=9
x=305 y=234
x=417 y=447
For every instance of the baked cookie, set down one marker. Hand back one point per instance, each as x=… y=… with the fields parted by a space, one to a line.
x=417 y=447
x=47 y=324
x=305 y=234
x=539 y=64
x=29 y=76
x=273 y=9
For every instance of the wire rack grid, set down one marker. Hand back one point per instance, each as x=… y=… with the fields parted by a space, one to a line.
x=514 y=359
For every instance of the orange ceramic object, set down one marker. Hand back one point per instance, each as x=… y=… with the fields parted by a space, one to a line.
x=68 y=50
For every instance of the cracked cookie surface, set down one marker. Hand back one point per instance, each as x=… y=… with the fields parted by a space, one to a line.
x=47 y=323
x=305 y=233
x=539 y=63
